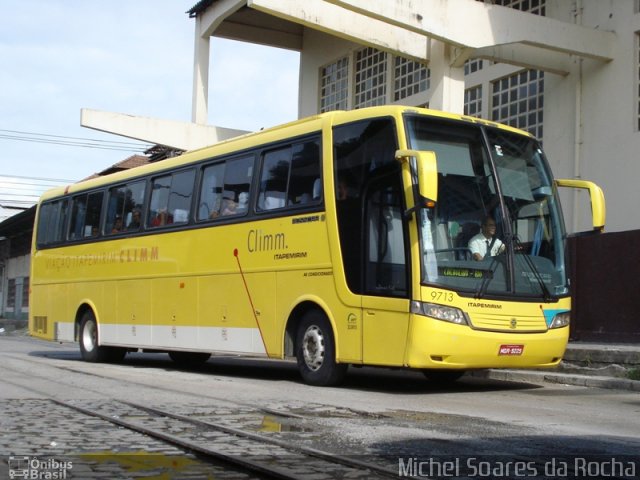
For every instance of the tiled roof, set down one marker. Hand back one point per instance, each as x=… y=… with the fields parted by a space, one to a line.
x=129 y=162
x=199 y=7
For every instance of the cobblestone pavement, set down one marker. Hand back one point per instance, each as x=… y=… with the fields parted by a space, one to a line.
x=380 y=414
x=58 y=440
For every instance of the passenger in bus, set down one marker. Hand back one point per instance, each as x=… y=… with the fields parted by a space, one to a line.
x=243 y=202
x=162 y=218
x=229 y=207
x=342 y=189
x=485 y=244
x=135 y=220
x=117 y=225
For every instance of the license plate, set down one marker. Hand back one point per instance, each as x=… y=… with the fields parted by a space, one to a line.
x=511 y=350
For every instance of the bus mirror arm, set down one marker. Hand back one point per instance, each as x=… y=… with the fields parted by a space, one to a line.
x=408 y=213
x=425 y=169
x=598 y=208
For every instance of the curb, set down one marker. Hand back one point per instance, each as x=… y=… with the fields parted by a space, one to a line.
x=559 y=378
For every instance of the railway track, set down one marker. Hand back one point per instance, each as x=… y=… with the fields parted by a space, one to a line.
x=245 y=450
x=214 y=442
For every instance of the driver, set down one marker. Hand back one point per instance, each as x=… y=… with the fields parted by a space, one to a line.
x=486 y=244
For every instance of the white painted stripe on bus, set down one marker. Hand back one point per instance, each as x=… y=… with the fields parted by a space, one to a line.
x=225 y=339
x=222 y=339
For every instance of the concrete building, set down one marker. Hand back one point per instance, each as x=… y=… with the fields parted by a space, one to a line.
x=565 y=70
x=15 y=262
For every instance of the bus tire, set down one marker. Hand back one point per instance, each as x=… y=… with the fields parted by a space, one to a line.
x=316 y=352
x=90 y=348
x=189 y=359
x=443 y=377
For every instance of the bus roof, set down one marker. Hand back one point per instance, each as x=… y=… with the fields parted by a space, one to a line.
x=272 y=134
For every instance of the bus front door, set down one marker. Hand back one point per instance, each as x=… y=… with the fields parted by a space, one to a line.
x=385 y=280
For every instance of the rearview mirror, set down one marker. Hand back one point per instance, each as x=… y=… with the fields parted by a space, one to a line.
x=427 y=172
x=598 y=209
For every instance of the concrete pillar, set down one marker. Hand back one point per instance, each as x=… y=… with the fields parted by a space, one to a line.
x=199 y=106
x=447 y=81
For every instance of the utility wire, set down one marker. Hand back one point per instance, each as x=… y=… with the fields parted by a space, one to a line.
x=21 y=192
x=56 y=180
x=34 y=137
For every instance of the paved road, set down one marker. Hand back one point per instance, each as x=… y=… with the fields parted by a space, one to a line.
x=377 y=413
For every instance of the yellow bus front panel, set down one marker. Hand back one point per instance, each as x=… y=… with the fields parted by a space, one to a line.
x=437 y=344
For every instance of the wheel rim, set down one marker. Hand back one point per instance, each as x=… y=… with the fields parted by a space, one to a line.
x=89 y=336
x=313 y=347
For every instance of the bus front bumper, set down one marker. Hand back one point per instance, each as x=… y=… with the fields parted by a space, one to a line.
x=438 y=344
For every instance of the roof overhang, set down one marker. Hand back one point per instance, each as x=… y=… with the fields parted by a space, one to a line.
x=181 y=135
x=492 y=31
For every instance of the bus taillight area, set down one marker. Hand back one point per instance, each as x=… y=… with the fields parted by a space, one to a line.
x=434 y=344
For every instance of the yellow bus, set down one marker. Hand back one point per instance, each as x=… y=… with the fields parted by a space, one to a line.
x=342 y=239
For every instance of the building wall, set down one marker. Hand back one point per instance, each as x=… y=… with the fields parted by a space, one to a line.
x=591 y=116
x=15 y=283
x=604 y=147
x=319 y=50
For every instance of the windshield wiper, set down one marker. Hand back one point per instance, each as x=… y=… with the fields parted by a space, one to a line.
x=487 y=276
x=536 y=273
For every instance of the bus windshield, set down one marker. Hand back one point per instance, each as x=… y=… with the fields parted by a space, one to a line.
x=496 y=229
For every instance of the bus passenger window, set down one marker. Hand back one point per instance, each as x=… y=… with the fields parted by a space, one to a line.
x=85 y=216
x=274 y=178
x=51 y=222
x=304 y=184
x=124 y=208
x=225 y=188
x=211 y=192
x=171 y=199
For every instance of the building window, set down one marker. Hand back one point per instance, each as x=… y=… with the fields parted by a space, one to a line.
x=25 y=292
x=334 y=86
x=11 y=293
x=378 y=78
x=472 y=66
x=537 y=7
x=518 y=101
x=473 y=101
x=409 y=78
x=371 y=78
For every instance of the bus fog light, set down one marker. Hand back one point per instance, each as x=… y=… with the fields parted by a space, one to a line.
x=439 y=312
x=560 y=320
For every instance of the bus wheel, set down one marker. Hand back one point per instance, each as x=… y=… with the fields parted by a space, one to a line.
x=89 y=348
x=443 y=376
x=189 y=359
x=316 y=352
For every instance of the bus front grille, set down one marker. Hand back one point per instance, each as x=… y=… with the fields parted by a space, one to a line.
x=508 y=323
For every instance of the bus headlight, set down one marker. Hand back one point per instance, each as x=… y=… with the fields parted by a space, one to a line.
x=439 y=312
x=560 y=320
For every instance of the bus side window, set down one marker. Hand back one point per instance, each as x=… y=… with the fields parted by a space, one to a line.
x=225 y=188
x=237 y=179
x=211 y=192
x=85 y=215
x=274 y=178
x=124 y=208
x=51 y=222
x=171 y=199
x=304 y=181
x=291 y=176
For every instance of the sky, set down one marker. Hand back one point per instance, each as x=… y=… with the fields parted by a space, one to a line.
x=128 y=56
